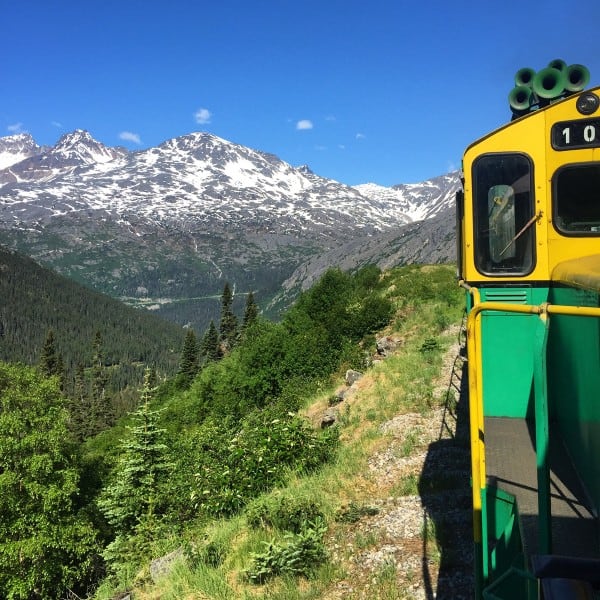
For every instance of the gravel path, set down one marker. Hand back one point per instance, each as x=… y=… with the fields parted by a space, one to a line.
x=419 y=539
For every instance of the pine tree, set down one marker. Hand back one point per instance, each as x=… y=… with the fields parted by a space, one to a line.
x=80 y=423
x=210 y=349
x=101 y=416
x=188 y=365
x=134 y=494
x=228 y=325
x=51 y=362
x=250 y=312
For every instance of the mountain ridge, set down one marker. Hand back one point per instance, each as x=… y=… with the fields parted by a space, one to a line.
x=173 y=222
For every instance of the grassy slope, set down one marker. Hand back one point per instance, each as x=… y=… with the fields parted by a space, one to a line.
x=403 y=388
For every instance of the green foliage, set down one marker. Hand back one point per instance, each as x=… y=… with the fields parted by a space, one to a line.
x=250 y=312
x=430 y=344
x=353 y=512
x=133 y=496
x=188 y=363
x=284 y=512
x=36 y=300
x=210 y=349
x=45 y=545
x=298 y=555
x=51 y=363
x=228 y=325
x=237 y=465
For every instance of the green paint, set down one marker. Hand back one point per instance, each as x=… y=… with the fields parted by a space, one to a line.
x=574 y=384
x=508 y=348
x=542 y=435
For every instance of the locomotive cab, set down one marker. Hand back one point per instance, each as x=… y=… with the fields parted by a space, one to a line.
x=528 y=230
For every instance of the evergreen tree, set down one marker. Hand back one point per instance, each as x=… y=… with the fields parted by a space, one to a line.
x=210 y=349
x=45 y=546
x=80 y=407
x=188 y=365
x=51 y=362
x=228 y=325
x=250 y=312
x=101 y=416
x=133 y=497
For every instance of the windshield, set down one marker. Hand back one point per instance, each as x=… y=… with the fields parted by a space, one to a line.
x=503 y=209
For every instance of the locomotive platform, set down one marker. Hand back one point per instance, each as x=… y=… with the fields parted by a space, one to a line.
x=511 y=465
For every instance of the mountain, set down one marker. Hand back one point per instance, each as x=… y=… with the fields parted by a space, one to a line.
x=16 y=148
x=36 y=300
x=165 y=227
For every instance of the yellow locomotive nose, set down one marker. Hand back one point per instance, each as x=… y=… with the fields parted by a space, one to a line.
x=528 y=240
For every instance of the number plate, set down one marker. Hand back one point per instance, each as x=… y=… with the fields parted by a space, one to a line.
x=568 y=135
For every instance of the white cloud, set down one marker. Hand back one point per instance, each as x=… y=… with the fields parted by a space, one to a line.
x=15 y=128
x=360 y=136
x=128 y=136
x=202 y=116
x=304 y=124
x=56 y=124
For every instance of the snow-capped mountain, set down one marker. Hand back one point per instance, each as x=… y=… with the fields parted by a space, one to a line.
x=416 y=201
x=16 y=148
x=177 y=220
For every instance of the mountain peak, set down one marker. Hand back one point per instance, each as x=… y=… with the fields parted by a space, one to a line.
x=17 y=147
x=79 y=147
x=305 y=170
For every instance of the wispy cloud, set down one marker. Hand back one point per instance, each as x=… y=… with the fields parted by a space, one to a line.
x=360 y=136
x=202 y=116
x=56 y=124
x=15 y=128
x=304 y=124
x=128 y=136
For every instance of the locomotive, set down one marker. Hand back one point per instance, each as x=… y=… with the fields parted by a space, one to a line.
x=528 y=246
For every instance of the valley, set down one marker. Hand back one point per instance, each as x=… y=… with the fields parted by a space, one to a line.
x=164 y=228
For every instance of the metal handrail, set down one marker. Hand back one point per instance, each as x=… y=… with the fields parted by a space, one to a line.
x=476 y=414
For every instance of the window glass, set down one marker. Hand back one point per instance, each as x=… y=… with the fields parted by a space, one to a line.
x=503 y=210
x=577 y=200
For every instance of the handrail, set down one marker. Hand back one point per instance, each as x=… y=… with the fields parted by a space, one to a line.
x=476 y=414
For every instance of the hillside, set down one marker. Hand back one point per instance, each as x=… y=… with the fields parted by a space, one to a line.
x=36 y=300
x=386 y=515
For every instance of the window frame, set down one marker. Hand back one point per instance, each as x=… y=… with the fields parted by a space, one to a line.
x=554 y=187
x=478 y=254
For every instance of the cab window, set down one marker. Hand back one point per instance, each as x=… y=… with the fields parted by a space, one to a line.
x=576 y=202
x=504 y=208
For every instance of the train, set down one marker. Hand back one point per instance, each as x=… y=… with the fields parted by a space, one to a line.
x=528 y=246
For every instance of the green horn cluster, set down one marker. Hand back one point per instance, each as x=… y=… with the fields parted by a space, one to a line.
x=533 y=90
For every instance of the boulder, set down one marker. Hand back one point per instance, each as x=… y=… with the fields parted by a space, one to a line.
x=352 y=376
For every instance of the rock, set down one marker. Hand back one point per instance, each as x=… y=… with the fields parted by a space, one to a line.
x=385 y=345
x=352 y=376
x=329 y=418
x=338 y=396
x=162 y=566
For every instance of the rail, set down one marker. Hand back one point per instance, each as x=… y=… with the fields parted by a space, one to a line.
x=476 y=414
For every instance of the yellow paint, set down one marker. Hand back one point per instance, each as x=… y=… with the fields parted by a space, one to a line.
x=581 y=272
x=530 y=135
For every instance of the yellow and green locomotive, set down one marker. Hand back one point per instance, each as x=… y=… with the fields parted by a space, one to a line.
x=528 y=232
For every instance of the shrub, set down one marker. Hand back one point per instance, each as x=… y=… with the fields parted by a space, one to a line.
x=286 y=513
x=298 y=555
x=239 y=466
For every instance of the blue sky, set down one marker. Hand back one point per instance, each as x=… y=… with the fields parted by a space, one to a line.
x=379 y=91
